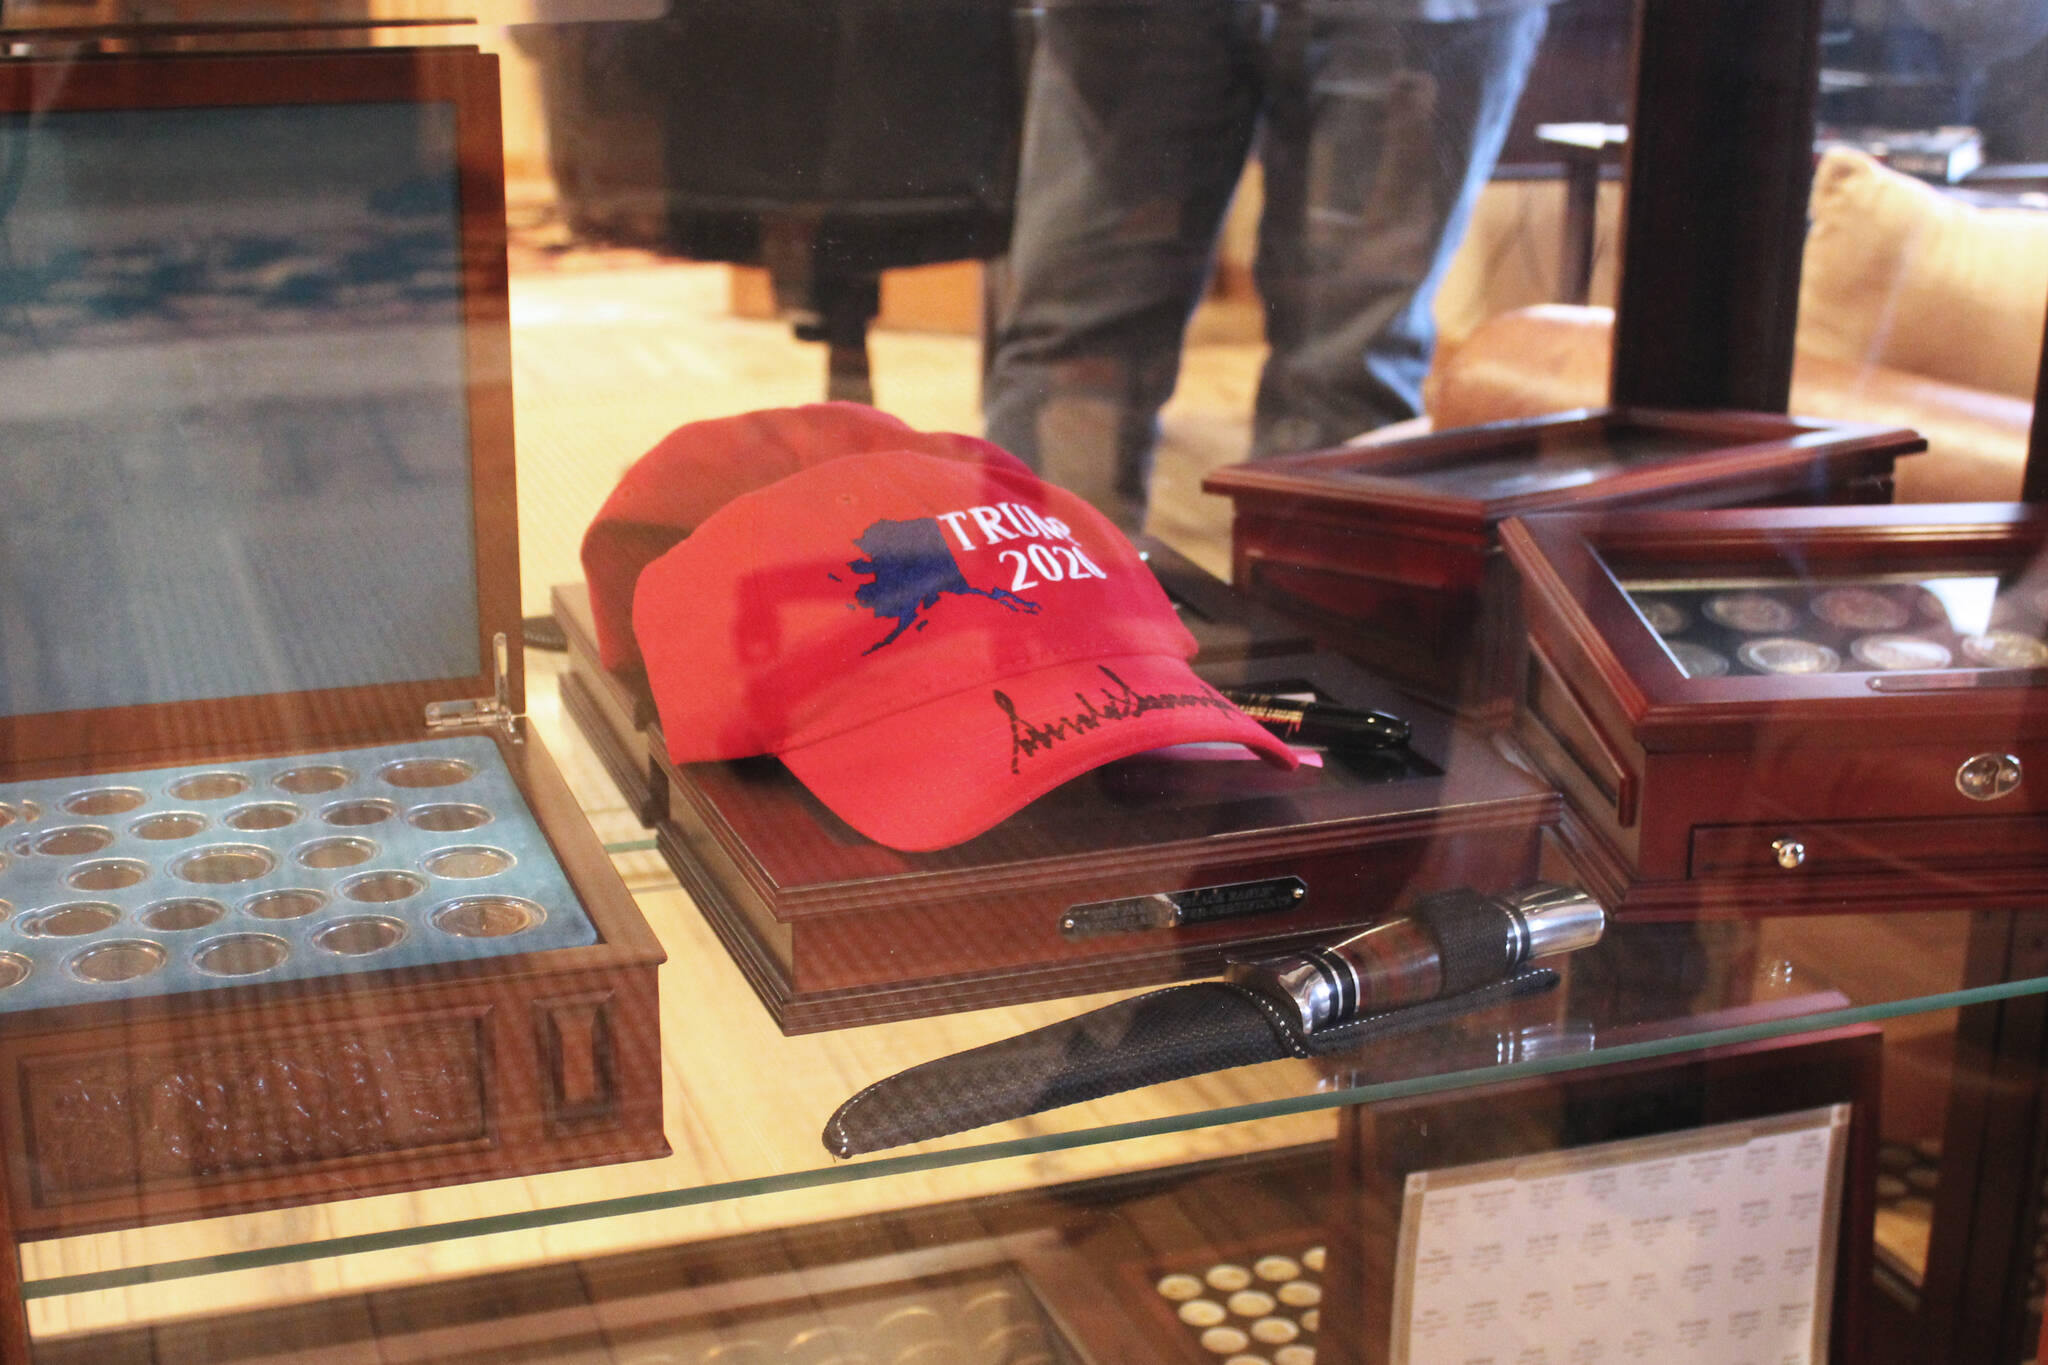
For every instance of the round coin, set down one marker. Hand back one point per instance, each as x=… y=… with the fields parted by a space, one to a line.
x=1666 y=618
x=1295 y=1355
x=1179 y=1287
x=1300 y=1294
x=1275 y=1331
x=1900 y=651
x=1225 y=1341
x=1783 y=654
x=2005 y=649
x=1313 y=1258
x=1227 y=1277
x=1697 y=661
x=1752 y=613
x=1251 y=1303
x=1202 y=1312
x=1861 y=609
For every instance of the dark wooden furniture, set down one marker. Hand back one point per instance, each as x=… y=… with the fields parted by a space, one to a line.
x=1706 y=777
x=1391 y=548
x=130 y=1107
x=1720 y=159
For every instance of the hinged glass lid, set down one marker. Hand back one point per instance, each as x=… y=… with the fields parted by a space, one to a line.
x=235 y=424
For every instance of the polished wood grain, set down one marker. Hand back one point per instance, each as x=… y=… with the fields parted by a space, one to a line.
x=1680 y=786
x=1391 y=548
x=834 y=929
x=1720 y=157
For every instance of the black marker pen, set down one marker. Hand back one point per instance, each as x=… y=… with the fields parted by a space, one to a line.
x=1321 y=723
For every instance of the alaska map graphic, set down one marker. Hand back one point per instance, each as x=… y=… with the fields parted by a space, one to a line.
x=913 y=567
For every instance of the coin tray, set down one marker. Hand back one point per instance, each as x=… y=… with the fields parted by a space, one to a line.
x=1262 y=1308
x=1959 y=622
x=191 y=878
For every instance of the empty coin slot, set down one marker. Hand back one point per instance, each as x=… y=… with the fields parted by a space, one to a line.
x=29 y=812
x=360 y=937
x=103 y=801
x=14 y=969
x=121 y=960
x=171 y=824
x=312 y=779
x=487 y=916
x=262 y=815
x=342 y=852
x=70 y=920
x=380 y=888
x=7 y=815
x=294 y=903
x=108 y=874
x=426 y=772
x=70 y=840
x=208 y=786
x=186 y=912
x=476 y=860
x=350 y=813
x=447 y=818
x=224 y=864
x=241 y=955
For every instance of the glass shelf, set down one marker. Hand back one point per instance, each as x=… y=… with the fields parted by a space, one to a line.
x=746 y=1105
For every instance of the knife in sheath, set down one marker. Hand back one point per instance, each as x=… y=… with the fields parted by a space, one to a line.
x=1451 y=954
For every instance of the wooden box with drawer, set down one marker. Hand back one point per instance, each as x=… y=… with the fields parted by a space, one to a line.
x=1780 y=710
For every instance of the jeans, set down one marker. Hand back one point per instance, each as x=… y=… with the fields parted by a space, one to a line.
x=1375 y=136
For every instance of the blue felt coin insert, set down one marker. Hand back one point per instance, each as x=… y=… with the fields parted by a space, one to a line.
x=172 y=880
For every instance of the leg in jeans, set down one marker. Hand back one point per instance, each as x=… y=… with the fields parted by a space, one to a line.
x=1380 y=135
x=1139 y=120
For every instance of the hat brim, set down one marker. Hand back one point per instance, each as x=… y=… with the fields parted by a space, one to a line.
x=940 y=773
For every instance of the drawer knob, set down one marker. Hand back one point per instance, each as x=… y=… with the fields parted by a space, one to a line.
x=1988 y=776
x=1790 y=853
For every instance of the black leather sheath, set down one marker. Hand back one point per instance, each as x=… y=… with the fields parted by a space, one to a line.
x=1161 y=1036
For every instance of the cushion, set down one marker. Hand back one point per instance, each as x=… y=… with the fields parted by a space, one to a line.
x=1899 y=273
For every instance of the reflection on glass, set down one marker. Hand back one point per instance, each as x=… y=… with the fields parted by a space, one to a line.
x=233 y=401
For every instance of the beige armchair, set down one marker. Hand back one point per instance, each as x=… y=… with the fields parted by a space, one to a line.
x=1915 y=309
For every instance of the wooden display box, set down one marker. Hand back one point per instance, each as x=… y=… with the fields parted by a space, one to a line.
x=295 y=908
x=615 y=710
x=1706 y=777
x=832 y=929
x=1392 y=548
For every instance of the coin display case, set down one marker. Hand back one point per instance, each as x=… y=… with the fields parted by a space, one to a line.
x=1392 y=548
x=1785 y=710
x=292 y=905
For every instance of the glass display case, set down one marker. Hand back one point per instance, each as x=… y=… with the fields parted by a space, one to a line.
x=375 y=983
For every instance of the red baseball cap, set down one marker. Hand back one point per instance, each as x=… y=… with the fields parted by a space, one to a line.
x=927 y=643
x=701 y=466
